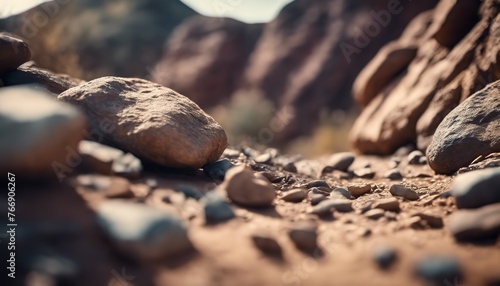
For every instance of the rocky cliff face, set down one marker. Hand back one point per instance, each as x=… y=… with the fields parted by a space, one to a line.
x=304 y=60
x=414 y=82
x=89 y=38
x=205 y=58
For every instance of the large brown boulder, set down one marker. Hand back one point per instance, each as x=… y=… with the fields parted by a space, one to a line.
x=149 y=120
x=457 y=55
x=472 y=129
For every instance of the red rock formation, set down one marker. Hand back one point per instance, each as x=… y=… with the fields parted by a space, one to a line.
x=456 y=56
x=305 y=60
x=205 y=58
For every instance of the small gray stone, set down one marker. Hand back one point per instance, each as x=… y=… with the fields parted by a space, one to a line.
x=328 y=206
x=341 y=193
x=340 y=161
x=414 y=157
x=401 y=190
x=317 y=184
x=265 y=158
x=359 y=189
x=384 y=256
x=304 y=235
x=266 y=243
x=142 y=232
x=189 y=191
x=111 y=187
x=477 y=188
x=434 y=221
x=476 y=224
x=128 y=166
x=436 y=269
x=290 y=167
x=217 y=170
x=365 y=173
x=216 y=208
x=231 y=153
x=316 y=198
x=389 y=204
x=393 y=174
x=295 y=195
x=375 y=214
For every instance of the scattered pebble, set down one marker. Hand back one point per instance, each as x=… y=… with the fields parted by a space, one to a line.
x=110 y=187
x=384 y=256
x=265 y=158
x=477 y=188
x=434 y=221
x=340 y=161
x=267 y=243
x=304 y=235
x=295 y=195
x=128 y=166
x=327 y=207
x=436 y=269
x=140 y=231
x=481 y=223
x=389 y=204
x=375 y=214
x=216 y=208
x=231 y=153
x=414 y=158
x=217 y=170
x=189 y=191
x=359 y=189
x=317 y=184
x=393 y=174
x=339 y=193
x=244 y=189
x=316 y=198
x=271 y=176
x=290 y=167
x=365 y=173
x=401 y=190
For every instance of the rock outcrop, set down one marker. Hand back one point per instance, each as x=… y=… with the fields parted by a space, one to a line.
x=205 y=58
x=304 y=61
x=414 y=82
x=472 y=129
x=151 y=121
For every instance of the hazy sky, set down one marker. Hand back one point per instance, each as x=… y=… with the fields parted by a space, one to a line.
x=250 y=11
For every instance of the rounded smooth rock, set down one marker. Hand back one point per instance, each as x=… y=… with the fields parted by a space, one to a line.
x=216 y=208
x=477 y=188
x=401 y=190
